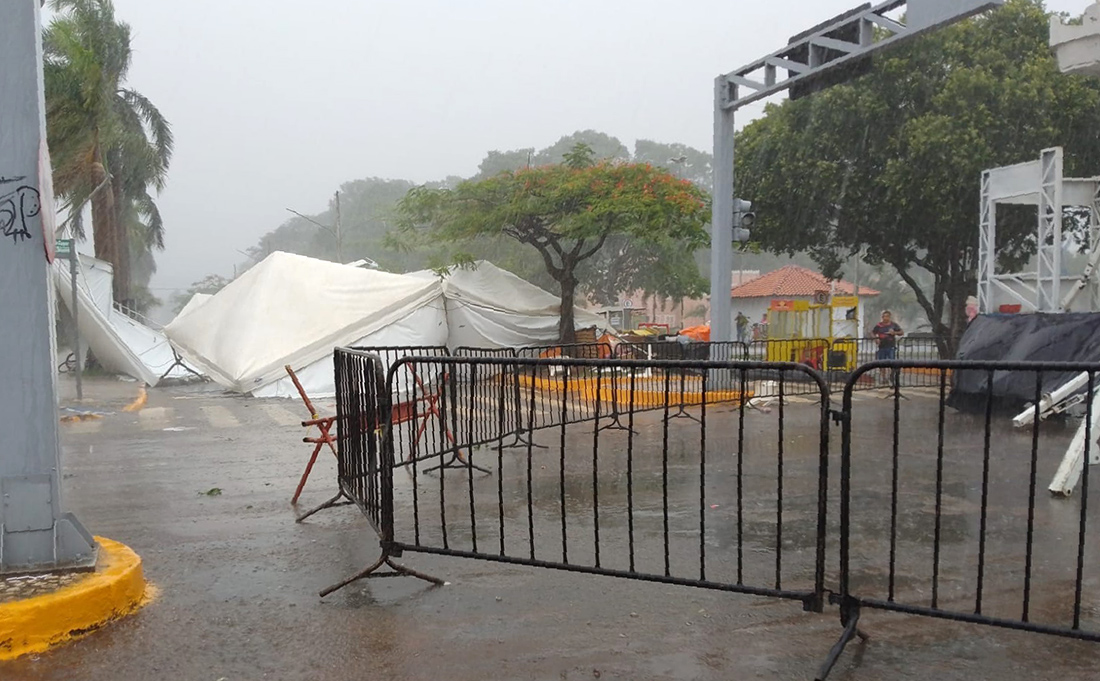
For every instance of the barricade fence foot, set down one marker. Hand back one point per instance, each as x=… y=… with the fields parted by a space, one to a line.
x=520 y=441
x=849 y=617
x=331 y=503
x=396 y=570
x=683 y=414
x=457 y=461
x=616 y=424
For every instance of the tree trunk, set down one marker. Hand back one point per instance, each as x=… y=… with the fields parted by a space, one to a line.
x=567 y=327
x=103 y=218
x=956 y=314
x=124 y=263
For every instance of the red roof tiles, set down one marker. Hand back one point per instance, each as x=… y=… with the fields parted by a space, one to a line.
x=793 y=280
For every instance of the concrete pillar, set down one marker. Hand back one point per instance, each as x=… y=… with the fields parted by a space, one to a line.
x=35 y=535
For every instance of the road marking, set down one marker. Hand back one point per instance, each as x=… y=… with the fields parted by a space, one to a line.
x=89 y=426
x=281 y=415
x=220 y=417
x=155 y=418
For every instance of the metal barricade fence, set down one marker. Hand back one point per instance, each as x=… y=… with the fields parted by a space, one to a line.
x=943 y=521
x=952 y=526
x=423 y=385
x=645 y=502
x=361 y=410
x=811 y=352
x=848 y=354
x=598 y=350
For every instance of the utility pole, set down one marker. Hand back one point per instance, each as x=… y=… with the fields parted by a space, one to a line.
x=335 y=231
x=35 y=534
x=339 y=233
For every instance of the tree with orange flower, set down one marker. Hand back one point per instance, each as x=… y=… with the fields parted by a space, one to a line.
x=568 y=213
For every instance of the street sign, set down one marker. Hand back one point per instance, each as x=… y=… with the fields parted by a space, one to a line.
x=64 y=248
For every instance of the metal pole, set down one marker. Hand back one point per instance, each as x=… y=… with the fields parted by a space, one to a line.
x=721 y=221
x=76 y=325
x=859 y=301
x=339 y=234
x=35 y=534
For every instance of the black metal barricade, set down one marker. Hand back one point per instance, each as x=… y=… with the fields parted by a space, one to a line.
x=953 y=526
x=940 y=511
x=364 y=458
x=417 y=393
x=595 y=350
x=848 y=354
x=510 y=383
x=648 y=502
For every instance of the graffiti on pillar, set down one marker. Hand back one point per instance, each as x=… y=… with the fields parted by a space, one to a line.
x=17 y=207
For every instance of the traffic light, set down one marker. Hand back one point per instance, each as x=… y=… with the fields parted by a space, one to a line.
x=743 y=220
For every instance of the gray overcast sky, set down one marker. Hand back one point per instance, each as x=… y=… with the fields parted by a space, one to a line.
x=274 y=103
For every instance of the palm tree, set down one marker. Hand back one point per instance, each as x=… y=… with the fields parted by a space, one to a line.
x=109 y=144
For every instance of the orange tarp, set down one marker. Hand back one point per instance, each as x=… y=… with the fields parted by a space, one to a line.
x=698 y=333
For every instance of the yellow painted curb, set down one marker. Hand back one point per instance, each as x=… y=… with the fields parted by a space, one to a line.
x=116 y=588
x=139 y=402
x=647 y=392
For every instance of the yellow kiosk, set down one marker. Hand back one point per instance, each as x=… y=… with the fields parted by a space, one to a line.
x=810 y=332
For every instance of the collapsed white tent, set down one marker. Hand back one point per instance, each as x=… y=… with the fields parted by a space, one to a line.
x=488 y=307
x=293 y=310
x=193 y=304
x=120 y=343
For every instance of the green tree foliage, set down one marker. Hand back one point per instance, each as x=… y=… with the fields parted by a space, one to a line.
x=369 y=215
x=109 y=144
x=209 y=285
x=680 y=159
x=567 y=213
x=892 y=162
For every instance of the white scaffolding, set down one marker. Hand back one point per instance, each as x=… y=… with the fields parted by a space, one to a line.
x=1042 y=184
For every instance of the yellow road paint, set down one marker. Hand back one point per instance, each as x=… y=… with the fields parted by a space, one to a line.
x=647 y=392
x=139 y=402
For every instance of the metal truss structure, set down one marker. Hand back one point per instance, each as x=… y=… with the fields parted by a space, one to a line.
x=1042 y=184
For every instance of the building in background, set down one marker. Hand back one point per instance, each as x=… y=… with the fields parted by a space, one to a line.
x=754 y=297
x=636 y=309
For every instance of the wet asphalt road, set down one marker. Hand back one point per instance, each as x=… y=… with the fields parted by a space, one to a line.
x=238 y=579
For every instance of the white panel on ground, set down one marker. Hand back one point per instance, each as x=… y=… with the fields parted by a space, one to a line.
x=1069 y=472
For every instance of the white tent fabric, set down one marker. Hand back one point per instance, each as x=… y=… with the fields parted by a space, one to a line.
x=488 y=307
x=120 y=343
x=290 y=309
x=193 y=304
x=99 y=277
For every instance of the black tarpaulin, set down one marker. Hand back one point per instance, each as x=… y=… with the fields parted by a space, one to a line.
x=1040 y=337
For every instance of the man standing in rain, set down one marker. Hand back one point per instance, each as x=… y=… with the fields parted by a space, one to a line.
x=886 y=333
x=742 y=326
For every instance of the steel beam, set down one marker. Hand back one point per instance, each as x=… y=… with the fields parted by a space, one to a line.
x=810 y=54
x=1049 y=247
